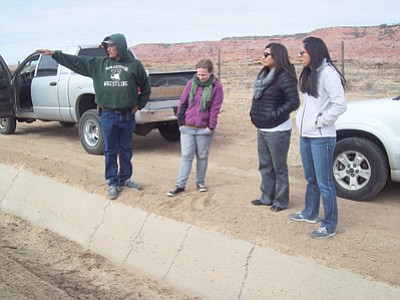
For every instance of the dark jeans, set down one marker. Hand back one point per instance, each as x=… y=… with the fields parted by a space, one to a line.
x=117 y=131
x=273 y=150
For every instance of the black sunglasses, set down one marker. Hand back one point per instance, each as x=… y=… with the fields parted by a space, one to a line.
x=266 y=54
x=302 y=51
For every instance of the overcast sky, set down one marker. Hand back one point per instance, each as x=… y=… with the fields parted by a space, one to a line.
x=27 y=25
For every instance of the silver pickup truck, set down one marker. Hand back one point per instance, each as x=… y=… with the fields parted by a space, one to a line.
x=41 y=89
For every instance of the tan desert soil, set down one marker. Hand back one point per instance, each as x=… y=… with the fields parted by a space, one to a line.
x=38 y=264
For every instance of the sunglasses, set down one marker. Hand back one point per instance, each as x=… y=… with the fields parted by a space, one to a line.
x=302 y=51
x=266 y=54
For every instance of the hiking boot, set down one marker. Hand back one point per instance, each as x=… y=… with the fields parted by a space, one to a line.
x=201 y=188
x=322 y=233
x=175 y=191
x=130 y=184
x=298 y=217
x=112 y=192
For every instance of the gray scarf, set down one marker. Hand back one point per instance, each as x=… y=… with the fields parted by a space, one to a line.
x=261 y=83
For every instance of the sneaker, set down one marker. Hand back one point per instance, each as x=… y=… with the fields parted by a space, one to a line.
x=175 y=191
x=299 y=218
x=112 y=192
x=276 y=208
x=130 y=184
x=322 y=233
x=201 y=187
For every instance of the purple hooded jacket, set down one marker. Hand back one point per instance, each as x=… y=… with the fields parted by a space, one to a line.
x=190 y=113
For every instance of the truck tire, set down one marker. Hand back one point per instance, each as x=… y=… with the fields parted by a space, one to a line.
x=360 y=169
x=90 y=132
x=170 y=131
x=8 y=125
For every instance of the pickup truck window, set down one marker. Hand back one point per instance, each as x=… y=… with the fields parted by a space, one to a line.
x=28 y=70
x=47 y=66
x=92 y=52
x=23 y=81
x=97 y=52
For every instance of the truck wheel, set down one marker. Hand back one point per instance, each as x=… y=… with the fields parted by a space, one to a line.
x=90 y=132
x=170 y=131
x=360 y=169
x=8 y=125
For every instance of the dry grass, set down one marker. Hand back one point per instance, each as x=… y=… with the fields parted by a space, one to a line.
x=372 y=80
x=364 y=80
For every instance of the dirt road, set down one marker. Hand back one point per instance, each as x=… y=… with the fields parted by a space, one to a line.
x=367 y=241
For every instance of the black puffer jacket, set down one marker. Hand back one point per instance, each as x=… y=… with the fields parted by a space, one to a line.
x=277 y=101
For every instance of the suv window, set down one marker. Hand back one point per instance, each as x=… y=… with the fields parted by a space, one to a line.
x=47 y=66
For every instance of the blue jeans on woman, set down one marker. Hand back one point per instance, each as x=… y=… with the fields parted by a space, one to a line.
x=317 y=158
x=194 y=141
x=117 y=129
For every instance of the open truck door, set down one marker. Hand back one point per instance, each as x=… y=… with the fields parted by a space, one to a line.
x=6 y=101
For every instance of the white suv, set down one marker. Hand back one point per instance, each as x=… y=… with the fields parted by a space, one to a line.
x=367 y=152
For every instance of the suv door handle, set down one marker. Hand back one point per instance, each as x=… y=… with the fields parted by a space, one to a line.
x=53 y=83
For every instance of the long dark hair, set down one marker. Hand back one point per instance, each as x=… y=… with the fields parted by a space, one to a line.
x=282 y=62
x=317 y=51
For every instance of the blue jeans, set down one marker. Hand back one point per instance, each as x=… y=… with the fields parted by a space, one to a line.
x=317 y=158
x=273 y=150
x=194 y=141
x=117 y=132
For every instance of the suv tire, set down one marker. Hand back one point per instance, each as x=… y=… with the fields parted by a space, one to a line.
x=360 y=169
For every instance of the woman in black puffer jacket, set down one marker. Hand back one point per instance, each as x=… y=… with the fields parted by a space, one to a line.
x=275 y=97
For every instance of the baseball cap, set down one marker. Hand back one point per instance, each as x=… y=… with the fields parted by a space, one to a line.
x=109 y=42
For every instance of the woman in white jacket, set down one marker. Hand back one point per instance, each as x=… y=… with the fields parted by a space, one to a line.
x=322 y=87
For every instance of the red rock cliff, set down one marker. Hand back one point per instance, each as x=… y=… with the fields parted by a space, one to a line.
x=369 y=44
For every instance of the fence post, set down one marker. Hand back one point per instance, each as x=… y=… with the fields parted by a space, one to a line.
x=219 y=63
x=342 y=56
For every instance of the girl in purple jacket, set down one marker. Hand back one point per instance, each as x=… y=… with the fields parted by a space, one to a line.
x=197 y=114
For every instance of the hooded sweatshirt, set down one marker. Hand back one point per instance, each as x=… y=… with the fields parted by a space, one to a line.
x=317 y=116
x=116 y=82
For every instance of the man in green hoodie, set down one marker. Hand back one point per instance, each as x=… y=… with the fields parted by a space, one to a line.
x=121 y=88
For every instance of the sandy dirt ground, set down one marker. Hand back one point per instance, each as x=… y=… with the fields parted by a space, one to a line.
x=367 y=241
x=38 y=264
